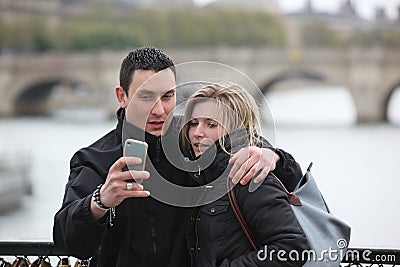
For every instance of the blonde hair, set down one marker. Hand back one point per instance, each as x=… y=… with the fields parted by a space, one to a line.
x=236 y=109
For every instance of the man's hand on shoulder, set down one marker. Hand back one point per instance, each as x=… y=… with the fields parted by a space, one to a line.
x=249 y=161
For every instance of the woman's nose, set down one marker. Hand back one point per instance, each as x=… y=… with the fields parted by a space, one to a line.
x=199 y=132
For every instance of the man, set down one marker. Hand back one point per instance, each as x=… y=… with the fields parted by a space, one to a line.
x=142 y=230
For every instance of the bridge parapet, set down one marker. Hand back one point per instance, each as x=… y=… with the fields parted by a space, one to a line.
x=371 y=75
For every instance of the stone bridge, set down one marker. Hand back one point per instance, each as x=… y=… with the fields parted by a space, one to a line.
x=40 y=84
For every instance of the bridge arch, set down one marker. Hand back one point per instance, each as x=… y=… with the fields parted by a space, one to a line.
x=328 y=99
x=291 y=75
x=40 y=97
x=388 y=98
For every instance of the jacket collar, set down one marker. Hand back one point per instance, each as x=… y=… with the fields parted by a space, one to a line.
x=218 y=156
x=127 y=130
x=120 y=118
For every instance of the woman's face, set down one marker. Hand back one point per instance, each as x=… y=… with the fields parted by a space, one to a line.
x=203 y=128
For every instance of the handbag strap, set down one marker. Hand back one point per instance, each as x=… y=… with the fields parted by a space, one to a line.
x=293 y=200
x=239 y=215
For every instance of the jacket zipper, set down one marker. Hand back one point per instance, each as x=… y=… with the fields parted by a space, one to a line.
x=197 y=249
x=153 y=230
x=153 y=235
x=196 y=225
x=158 y=149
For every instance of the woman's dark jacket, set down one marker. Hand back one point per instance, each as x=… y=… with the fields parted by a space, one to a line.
x=214 y=235
x=146 y=232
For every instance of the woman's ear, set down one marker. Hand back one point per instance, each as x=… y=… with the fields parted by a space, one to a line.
x=121 y=97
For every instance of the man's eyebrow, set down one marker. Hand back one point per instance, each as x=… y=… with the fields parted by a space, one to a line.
x=151 y=92
x=169 y=91
x=146 y=91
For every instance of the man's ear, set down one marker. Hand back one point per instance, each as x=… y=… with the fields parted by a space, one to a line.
x=121 y=97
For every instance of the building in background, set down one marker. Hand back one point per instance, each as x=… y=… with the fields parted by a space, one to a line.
x=51 y=6
x=268 y=6
x=346 y=19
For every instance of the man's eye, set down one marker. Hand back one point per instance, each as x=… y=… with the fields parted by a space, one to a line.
x=168 y=96
x=145 y=97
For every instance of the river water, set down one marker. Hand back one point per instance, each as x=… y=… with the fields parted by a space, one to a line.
x=357 y=169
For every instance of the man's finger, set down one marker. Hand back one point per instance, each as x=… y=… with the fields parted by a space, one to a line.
x=138 y=174
x=132 y=160
x=234 y=170
x=239 y=173
x=128 y=175
x=118 y=165
x=261 y=176
x=131 y=186
x=237 y=160
x=245 y=179
x=137 y=194
x=123 y=161
x=249 y=174
x=247 y=169
x=233 y=174
x=234 y=158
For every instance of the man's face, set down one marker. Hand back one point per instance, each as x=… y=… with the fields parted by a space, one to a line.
x=151 y=98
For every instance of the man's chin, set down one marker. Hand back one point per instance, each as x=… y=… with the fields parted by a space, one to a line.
x=155 y=132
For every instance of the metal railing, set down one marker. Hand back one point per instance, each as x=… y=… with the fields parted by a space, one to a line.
x=41 y=253
x=11 y=251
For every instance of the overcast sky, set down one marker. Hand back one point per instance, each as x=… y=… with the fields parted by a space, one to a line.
x=365 y=8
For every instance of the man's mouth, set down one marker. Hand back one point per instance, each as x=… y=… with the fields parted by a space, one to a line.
x=156 y=124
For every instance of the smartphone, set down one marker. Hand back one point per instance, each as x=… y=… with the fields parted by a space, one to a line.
x=136 y=148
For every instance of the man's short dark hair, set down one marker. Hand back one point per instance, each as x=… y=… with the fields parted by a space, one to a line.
x=145 y=58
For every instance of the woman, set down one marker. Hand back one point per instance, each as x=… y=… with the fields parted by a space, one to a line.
x=221 y=119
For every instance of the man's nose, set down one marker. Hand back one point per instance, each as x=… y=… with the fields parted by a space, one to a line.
x=158 y=108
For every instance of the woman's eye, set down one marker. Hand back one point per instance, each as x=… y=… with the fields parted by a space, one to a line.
x=192 y=123
x=212 y=125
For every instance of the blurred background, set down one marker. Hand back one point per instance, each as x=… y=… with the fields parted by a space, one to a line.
x=329 y=70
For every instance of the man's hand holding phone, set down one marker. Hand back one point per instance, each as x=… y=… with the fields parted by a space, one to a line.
x=136 y=148
x=120 y=184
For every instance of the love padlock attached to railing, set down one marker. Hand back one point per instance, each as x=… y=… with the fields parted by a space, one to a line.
x=4 y=263
x=64 y=262
x=82 y=263
x=41 y=262
x=21 y=262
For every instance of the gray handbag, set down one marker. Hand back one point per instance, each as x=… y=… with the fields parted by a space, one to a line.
x=327 y=235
